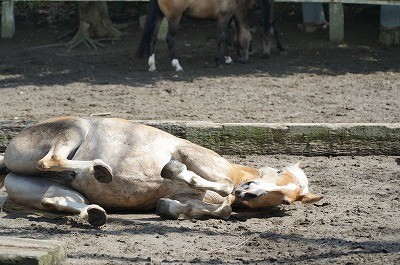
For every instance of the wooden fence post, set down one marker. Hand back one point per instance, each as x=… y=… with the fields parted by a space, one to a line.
x=336 y=22
x=7 y=19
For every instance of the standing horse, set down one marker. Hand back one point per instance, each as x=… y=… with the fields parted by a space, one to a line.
x=220 y=10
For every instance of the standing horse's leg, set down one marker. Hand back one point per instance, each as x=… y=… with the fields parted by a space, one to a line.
x=149 y=35
x=269 y=28
x=282 y=50
x=222 y=39
x=152 y=55
x=244 y=36
x=170 y=39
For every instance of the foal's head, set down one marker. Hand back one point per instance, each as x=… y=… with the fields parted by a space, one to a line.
x=276 y=187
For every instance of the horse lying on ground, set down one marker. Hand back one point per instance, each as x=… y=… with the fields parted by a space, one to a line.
x=220 y=10
x=86 y=165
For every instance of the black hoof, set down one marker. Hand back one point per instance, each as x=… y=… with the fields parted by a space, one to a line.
x=172 y=169
x=102 y=174
x=96 y=217
x=163 y=209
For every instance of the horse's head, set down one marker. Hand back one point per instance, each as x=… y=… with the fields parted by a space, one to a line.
x=276 y=187
x=243 y=35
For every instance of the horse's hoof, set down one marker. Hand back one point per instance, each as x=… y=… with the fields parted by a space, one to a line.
x=96 y=216
x=225 y=212
x=172 y=169
x=102 y=172
x=243 y=61
x=163 y=211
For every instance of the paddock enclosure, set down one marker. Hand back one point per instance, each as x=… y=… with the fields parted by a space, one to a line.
x=355 y=81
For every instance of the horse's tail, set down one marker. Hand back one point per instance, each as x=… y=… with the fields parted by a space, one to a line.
x=3 y=171
x=154 y=14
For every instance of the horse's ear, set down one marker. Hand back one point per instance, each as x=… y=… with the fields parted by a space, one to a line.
x=311 y=198
x=298 y=164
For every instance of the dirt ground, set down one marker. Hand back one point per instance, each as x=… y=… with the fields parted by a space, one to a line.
x=355 y=81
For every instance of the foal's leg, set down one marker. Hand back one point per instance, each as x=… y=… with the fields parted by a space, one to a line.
x=177 y=171
x=193 y=208
x=44 y=194
x=200 y=168
x=170 y=39
x=56 y=160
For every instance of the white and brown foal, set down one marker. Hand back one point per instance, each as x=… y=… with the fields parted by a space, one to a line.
x=86 y=165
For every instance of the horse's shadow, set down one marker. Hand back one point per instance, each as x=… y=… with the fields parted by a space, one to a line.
x=244 y=214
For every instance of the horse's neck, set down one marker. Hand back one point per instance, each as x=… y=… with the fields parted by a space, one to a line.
x=243 y=174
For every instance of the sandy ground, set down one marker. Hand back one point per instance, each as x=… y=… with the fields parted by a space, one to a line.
x=356 y=81
x=356 y=223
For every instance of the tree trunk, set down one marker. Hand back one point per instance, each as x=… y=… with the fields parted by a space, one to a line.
x=94 y=23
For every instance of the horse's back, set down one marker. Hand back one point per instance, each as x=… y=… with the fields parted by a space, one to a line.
x=205 y=9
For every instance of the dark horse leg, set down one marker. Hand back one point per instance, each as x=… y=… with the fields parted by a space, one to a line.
x=269 y=28
x=223 y=39
x=149 y=35
x=170 y=39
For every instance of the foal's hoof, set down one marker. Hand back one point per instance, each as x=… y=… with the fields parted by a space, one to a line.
x=96 y=216
x=225 y=212
x=102 y=172
x=163 y=211
x=172 y=169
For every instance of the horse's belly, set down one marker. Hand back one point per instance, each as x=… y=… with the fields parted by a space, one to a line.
x=122 y=193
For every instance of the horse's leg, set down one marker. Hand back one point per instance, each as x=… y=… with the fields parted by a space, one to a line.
x=222 y=39
x=48 y=146
x=269 y=28
x=152 y=56
x=56 y=160
x=200 y=168
x=170 y=39
x=244 y=37
x=192 y=208
x=282 y=50
x=177 y=171
x=44 y=194
x=267 y=13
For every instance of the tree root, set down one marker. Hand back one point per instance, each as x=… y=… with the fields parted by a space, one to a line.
x=94 y=23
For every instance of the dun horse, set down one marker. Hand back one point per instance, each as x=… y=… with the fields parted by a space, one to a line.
x=220 y=10
x=86 y=165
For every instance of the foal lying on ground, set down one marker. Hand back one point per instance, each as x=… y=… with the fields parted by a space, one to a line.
x=86 y=165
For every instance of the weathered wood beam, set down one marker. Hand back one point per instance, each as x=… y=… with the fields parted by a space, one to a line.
x=31 y=251
x=311 y=139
